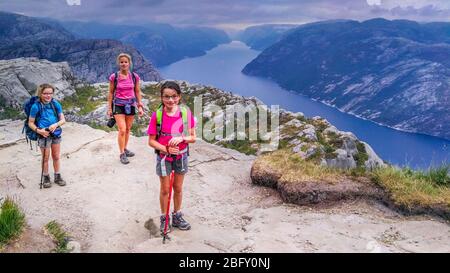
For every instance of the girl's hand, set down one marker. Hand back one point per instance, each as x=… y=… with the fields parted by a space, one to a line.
x=109 y=112
x=173 y=150
x=175 y=141
x=42 y=132
x=53 y=127
x=140 y=111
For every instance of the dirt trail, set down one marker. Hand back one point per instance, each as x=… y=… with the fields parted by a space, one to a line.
x=106 y=205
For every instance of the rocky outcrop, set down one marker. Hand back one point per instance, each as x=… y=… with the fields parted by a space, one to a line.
x=313 y=192
x=312 y=139
x=19 y=79
x=395 y=73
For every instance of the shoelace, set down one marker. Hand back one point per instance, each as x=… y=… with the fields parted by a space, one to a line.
x=180 y=218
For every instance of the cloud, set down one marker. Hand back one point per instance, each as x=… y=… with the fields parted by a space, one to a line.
x=232 y=12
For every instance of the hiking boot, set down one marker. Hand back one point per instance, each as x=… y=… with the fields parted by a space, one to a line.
x=162 y=218
x=179 y=222
x=129 y=153
x=124 y=159
x=59 y=180
x=47 y=183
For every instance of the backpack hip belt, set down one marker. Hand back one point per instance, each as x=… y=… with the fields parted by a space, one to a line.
x=163 y=160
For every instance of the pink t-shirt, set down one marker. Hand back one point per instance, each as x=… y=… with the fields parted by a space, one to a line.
x=170 y=124
x=125 y=86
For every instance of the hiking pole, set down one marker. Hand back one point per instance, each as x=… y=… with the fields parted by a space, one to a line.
x=165 y=236
x=42 y=169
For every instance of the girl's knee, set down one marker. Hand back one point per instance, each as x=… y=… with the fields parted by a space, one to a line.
x=177 y=189
x=164 y=192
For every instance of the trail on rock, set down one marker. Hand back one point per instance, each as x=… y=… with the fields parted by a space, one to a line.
x=110 y=207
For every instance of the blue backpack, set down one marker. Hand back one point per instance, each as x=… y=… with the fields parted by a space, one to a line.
x=31 y=135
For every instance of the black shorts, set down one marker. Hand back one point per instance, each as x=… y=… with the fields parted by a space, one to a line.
x=120 y=110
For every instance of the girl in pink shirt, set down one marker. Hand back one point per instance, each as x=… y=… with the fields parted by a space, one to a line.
x=171 y=145
x=123 y=100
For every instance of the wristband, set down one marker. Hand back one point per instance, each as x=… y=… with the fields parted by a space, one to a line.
x=167 y=149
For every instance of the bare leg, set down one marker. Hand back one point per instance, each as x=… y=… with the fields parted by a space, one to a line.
x=121 y=125
x=129 y=122
x=56 y=148
x=178 y=191
x=164 y=192
x=45 y=155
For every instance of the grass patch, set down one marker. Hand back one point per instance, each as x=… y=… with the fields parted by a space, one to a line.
x=410 y=188
x=296 y=169
x=334 y=140
x=152 y=90
x=101 y=127
x=60 y=237
x=8 y=112
x=361 y=157
x=12 y=221
x=83 y=99
x=242 y=146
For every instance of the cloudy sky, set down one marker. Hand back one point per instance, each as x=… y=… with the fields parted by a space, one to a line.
x=232 y=14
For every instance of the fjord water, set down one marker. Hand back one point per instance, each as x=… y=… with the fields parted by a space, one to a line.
x=221 y=67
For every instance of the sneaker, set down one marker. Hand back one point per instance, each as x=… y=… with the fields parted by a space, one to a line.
x=162 y=218
x=124 y=159
x=47 y=183
x=59 y=180
x=129 y=153
x=179 y=222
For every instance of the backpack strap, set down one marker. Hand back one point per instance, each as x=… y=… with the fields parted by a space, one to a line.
x=184 y=116
x=116 y=77
x=53 y=103
x=159 y=116
x=133 y=76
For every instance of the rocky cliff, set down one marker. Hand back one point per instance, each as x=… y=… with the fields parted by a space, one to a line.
x=19 y=79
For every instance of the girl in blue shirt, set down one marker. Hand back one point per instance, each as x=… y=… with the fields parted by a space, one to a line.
x=46 y=117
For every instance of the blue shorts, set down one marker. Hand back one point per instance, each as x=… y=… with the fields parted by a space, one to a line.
x=180 y=166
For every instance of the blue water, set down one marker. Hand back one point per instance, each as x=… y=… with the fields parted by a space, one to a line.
x=221 y=67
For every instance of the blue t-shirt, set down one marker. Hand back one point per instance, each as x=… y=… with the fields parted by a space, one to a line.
x=47 y=116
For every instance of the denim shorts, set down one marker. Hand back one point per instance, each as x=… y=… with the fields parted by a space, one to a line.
x=50 y=140
x=180 y=166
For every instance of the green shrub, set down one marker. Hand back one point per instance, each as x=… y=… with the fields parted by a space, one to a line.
x=12 y=221
x=60 y=237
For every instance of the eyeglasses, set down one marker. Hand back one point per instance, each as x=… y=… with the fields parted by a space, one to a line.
x=47 y=94
x=171 y=97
